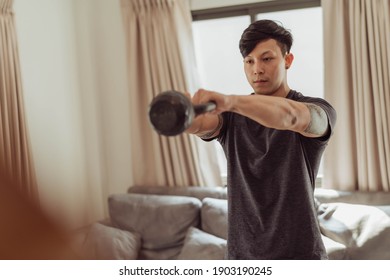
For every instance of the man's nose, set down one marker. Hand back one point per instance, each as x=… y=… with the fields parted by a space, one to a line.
x=258 y=68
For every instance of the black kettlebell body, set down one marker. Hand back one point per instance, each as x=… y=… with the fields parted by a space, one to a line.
x=171 y=112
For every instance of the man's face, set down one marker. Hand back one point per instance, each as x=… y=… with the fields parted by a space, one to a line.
x=266 y=68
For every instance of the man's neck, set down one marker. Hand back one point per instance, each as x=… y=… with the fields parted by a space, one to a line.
x=283 y=91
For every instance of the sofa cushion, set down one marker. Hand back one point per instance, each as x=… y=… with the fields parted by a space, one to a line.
x=364 y=230
x=193 y=191
x=107 y=243
x=214 y=216
x=160 y=254
x=162 y=221
x=200 y=245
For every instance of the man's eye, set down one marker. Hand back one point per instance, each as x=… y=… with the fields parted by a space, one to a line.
x=248 y=61
x=267 y=58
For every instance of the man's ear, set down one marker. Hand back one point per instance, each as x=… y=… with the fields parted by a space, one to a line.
x=288 y=60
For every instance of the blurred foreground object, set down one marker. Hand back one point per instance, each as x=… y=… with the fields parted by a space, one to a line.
x=26 y=233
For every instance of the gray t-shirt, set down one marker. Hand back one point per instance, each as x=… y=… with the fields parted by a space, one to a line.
x=271 y=177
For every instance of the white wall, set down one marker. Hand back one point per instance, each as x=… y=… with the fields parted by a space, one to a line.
x=74 y=77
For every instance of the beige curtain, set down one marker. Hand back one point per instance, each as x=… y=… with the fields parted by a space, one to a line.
x=357 y=83
x=15 y=154
x=161 y=57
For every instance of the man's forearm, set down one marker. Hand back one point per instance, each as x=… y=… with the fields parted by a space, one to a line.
x=204 y=125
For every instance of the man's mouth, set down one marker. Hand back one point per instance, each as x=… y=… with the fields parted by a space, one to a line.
x=260 y=81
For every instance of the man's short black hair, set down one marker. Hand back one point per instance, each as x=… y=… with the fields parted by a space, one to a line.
x=261 y=30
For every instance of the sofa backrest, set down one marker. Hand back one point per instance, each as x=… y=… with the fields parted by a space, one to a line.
x=356 y=197
x=192 y=191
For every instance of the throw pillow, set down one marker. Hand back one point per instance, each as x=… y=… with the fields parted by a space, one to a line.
x=335 y=250
x=107 y=243
x=214 y=216
x=200 y=245
x=161 y=220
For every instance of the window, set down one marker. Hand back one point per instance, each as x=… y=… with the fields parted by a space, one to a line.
x=219 y=61
x=221 y=65
x=306 y=73
x=218 y=56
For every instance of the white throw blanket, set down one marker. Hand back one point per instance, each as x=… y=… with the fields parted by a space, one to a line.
x=364 y=230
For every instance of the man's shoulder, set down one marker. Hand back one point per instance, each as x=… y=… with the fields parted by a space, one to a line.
x=297 y=96
x=321 y=102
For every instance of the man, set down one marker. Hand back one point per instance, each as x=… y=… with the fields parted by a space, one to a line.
x=273 y=140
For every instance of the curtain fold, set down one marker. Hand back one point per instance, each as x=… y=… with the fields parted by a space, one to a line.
x=15 y=153
x=160 y=55
x=357 y=83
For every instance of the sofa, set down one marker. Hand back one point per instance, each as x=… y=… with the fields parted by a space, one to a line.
x=188 y=223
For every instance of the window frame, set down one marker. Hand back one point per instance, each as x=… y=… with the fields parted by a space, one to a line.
x=253 y=9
